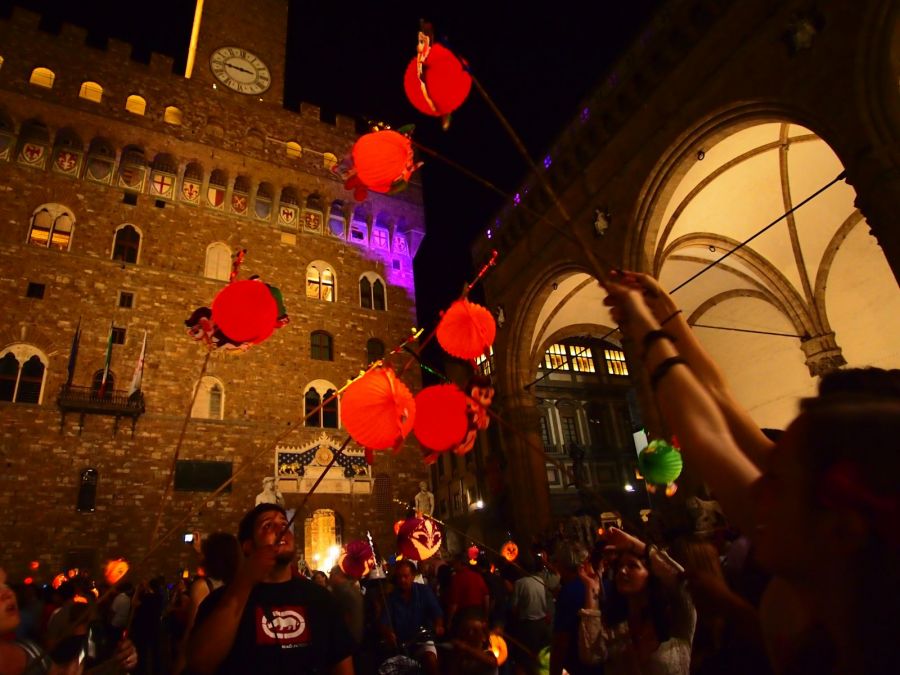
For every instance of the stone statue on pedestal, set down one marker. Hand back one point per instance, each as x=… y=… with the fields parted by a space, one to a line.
x=270 y=493
x=424 y=500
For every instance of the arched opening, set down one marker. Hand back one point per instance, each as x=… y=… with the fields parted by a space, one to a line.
x=136 y=105
x=322 y=539
x=42 y=77
x=91 y=91
x=293 y=149
x=127 y=244
x=172 y=115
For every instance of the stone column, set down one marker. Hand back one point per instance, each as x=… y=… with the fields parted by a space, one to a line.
x=877 y=184
x=527 y=472
x=823 y=354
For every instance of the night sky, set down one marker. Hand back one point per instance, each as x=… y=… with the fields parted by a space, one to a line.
x=349 y=58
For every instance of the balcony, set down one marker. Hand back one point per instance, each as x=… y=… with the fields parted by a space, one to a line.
x=87 y=401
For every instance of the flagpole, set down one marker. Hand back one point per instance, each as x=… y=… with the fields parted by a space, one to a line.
x=73 y=354
x=108 y=359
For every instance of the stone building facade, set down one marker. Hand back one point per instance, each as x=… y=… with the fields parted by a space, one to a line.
x=126 y=190
x=722 y=118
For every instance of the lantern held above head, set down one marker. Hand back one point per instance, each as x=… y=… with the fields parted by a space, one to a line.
x=245 y=311
x=466 y=330
x=438 y=83
x=419 y=538
x=660 y=463
x=378 y=410
x=441 y=417
x=498 y=648
x=510 y=551
x=384 y=160
x=115 y=570
x=357 y=560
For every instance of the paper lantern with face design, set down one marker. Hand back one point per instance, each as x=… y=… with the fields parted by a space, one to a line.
x=357 y=559
x=115 y=570
x=419 y=538
x=510 y=551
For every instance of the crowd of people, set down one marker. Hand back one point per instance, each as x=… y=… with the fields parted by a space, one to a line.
x=803 y=580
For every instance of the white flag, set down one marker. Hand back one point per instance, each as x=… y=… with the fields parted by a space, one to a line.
x=138 y=369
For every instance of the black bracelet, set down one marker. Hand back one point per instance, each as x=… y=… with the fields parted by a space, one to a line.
x=670 y=317
x=664 y=367
x=654 y=335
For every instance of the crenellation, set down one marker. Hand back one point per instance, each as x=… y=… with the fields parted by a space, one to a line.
x=310 y=111
x=120 y=49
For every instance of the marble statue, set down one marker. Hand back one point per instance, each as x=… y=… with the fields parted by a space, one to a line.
x=424 y=500
x=270 y=493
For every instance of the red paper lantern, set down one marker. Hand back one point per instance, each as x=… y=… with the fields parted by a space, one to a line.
x=115 y=570
x=357 y=560
x=398 y=525
x=466 y=330
x=446 y=80
x=441 y=420
x=381 y=158
x=473 y=552
x=378 y=410
x=245 y=311
x=419 y=538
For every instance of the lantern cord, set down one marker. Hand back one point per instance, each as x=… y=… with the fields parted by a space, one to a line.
x=484 y=270
x=315 y=485
x=747 y=330
x=175 y=455
x=459 y=167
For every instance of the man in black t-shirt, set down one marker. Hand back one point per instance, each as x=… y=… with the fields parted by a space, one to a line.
x=266 y=621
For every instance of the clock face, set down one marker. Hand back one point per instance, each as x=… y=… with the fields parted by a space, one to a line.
x=240 y=70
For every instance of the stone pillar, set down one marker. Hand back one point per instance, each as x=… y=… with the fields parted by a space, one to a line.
x=822 y=354
x=877 y=184
x=526 y=469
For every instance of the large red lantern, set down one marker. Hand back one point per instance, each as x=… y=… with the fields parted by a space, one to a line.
x=245 y=311
x=382 y=158
x=466 y=330
x=441 y=417
x=378 y=410
x=419 y=538
x=115 y=570
x=444 y=85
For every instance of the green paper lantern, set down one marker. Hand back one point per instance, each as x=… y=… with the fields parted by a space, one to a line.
x=660 y=463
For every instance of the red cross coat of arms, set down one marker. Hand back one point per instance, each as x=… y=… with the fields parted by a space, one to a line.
x=162 y=184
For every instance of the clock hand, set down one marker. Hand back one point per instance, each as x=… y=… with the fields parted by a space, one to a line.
x=243 y=70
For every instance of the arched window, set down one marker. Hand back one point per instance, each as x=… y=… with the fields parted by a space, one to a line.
x=337 y=222
x=293 y=149
x=23 y=371
x=329 y=160
x=372 y=292
x=320 y=281
x=326 y=417
x=91 y=91
x=136 y=104
x=98 y=389
x=218 y=262
x=172 y=115
x=42 y=77
x=127 y=244
x=321 y=346
x=209 y=404
x=51 y=227
x=374 y=350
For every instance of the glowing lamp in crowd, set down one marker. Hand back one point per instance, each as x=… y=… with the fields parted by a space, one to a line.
x=28 y=581
x=441 y=417
x=398 y=525
x=510 y=551
x=473 y=552
x=629 y=487
x=466 y=330
x=601 y=532
x=378 y=410
x=660 y=463
x=33 y=565
x=72 y=573
x=115 y=570
x=445 y=80
x=245 y=311
x=382 y=158
x=186 y=574
x=357 y=560
x=419 y=538
x=80 y=600
x=58 y=580
x=498 y=648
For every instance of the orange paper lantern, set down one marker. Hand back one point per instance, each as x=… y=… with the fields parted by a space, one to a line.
x=382 y=158
x=466 y=330
x=398 y=525
x=115 y=570
x=498 y=648
x=58 y=580
x=446 y=81
x=378 y=410
x=510 y=551
x=357 y=560
x=441 y=417
x=245 y=311
x=419 y=538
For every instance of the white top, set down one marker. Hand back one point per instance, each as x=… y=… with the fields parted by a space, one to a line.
x=530 y=598
x=121 y=606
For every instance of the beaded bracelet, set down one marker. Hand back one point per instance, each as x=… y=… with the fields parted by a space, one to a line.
x=663 y=368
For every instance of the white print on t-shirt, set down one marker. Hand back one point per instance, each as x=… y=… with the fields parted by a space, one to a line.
x=282 y=625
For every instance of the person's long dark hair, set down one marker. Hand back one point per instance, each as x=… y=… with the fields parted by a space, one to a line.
x=658 y=610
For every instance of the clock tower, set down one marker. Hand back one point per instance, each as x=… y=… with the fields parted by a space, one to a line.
x=239 y=48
